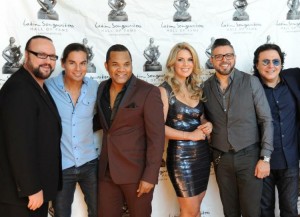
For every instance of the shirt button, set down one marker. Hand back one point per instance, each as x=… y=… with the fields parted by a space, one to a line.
x=277 y=102
x=224 y=110
x=282 y=136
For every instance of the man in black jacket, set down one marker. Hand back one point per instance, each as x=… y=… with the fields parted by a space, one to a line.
x=30 y=131
x=282 y=88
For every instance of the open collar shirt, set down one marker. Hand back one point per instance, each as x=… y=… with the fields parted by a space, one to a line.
x=77 y=142
x=284 y=110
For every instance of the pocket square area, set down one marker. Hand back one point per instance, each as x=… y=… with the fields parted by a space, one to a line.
x=131 y=105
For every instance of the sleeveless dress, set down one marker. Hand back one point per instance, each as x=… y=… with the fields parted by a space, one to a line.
x=188 y=162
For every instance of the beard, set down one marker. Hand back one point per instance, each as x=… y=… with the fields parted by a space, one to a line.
x=39 y=74
x=225 y=71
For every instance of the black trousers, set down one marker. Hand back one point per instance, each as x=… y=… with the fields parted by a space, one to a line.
x=240 y=190
x=10 y=210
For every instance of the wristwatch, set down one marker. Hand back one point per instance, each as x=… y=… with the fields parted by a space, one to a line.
x=265 y=159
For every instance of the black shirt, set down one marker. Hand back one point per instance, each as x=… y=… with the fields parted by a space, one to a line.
x=284 y=113
x=110 y=113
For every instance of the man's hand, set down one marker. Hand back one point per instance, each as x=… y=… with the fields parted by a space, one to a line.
x=36 y=200
x=144 y=187
x=262 y=169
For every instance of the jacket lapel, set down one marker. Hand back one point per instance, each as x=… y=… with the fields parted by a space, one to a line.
x=100 y=111
x=46 y=96
x=127 y=97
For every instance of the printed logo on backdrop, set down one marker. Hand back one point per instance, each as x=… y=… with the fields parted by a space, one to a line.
x=240 y=23
x=240 y=13
x=182 y=21
x=208 y=64
x=151 y=53
x=91 y=66
x=292 y=22
x=163 y=173
x=117 y=13
x=47 y=10
x=181 y=14
x=118 y=20
x=12 y=55
x=47 y=20
x=155 y=78
x=293 y=13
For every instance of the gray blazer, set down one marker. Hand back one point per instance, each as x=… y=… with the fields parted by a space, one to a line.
x=248 y=119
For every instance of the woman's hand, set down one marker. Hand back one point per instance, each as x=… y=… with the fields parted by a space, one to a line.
x=206 y=128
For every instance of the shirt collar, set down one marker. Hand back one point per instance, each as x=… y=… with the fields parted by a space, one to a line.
x=281 y=82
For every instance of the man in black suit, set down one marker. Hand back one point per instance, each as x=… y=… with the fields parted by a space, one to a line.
x=30 y=133
x=282 y=88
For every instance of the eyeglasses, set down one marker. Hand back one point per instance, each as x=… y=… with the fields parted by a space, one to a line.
x=43 y=55
x=227 y=56
x=276 y=62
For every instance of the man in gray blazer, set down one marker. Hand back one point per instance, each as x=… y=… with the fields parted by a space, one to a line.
x=242 y=137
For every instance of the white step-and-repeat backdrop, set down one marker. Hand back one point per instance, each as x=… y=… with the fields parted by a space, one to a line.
x=150 y=29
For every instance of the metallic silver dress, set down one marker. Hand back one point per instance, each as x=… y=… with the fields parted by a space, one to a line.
x=188 y=162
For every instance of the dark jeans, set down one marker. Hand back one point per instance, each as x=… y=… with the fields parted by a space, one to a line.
x=286 y=181
x=240 y=190
x=86 y=177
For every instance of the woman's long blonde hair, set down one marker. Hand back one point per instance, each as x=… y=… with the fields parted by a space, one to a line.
x=192 y=82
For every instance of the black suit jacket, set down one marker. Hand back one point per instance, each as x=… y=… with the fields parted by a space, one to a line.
x=30 y=131
x=292 y=78
x=133 y=144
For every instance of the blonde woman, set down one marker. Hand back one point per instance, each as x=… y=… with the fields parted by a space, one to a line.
x=188 y=160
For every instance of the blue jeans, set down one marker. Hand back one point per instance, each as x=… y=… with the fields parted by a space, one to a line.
x=286 y=181
x=86 y=177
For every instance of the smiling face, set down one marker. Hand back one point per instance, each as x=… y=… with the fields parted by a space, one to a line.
x=268 y=71
x=75 y=66
x=41 y=69
x=223 y=66
x=119 y=67
x=183 y=65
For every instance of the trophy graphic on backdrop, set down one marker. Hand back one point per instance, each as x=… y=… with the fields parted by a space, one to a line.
x=117 y=13
x=91 y=66
x=240 y=14
x=181 y=14
x=151 y=53
x=12 y=55
x=293 y=13
x=268 y=39
x=47 y=11
x=208 y=64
